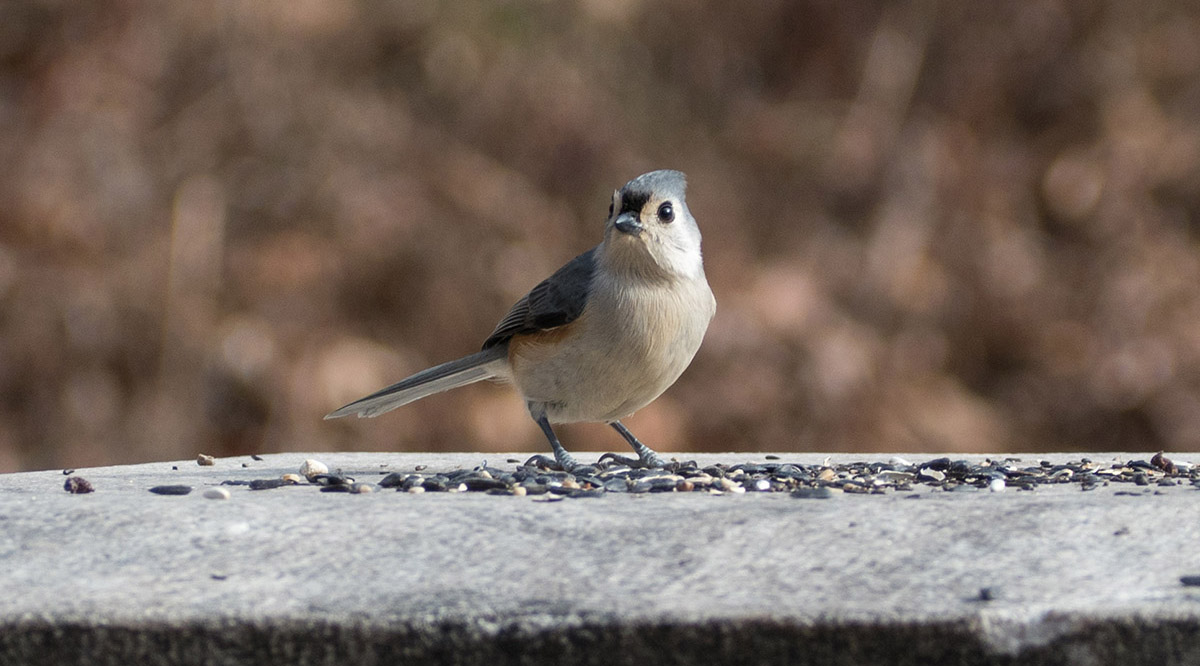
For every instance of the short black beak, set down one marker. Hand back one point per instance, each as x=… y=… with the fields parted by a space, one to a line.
x=628 y=223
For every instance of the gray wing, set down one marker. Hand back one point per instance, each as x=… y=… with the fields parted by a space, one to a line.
x=558 y=300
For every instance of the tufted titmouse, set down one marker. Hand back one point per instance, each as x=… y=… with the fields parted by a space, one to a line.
x=602 y=337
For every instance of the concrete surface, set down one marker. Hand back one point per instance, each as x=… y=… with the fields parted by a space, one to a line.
x=293 y=575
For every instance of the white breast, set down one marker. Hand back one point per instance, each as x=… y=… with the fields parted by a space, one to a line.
x=631 y=345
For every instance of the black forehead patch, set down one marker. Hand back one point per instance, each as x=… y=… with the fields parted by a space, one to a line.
x=633 y=201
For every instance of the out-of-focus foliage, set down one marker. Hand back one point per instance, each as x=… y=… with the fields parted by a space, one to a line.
x=929 y=226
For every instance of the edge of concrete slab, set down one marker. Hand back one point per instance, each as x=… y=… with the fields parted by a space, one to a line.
x=586 y=642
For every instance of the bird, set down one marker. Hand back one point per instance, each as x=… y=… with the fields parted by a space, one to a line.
x=603 y=336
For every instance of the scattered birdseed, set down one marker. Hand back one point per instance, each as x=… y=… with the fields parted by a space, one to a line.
x=1165 y=464
x=77 y=485
x=171 y=490
x=268 y=484
x=68 y=472
x=256 y=457
x=311 y=468
x=611 y=474
x=205 y=460
x=216 y=494
x=930 y=473
x=1190 y=581
x=392 y=480
x=332 y=480
x=483 y=483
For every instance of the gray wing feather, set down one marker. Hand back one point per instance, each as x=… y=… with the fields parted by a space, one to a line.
x=558 y=300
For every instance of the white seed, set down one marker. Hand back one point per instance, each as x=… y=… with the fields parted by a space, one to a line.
x=205 y=460
x=519 y=491
x=997 y=485
x=310 y=468
x=932 y=474
x=292 y=478
x=416 y=490
x=216 y=494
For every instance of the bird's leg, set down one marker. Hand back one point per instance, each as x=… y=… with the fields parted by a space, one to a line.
x=646 y=456
x=564 y=459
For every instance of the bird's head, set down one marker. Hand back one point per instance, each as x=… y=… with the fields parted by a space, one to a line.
x=650 y=230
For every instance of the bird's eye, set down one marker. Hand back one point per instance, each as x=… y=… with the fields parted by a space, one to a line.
x=666 y=212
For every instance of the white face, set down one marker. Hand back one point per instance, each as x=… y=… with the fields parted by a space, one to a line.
x=653 y=227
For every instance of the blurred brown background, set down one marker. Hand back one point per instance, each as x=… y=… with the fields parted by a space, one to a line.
x=930 y=226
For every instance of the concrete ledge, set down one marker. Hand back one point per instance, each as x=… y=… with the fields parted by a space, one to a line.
x=743 y=642
x=293 y=575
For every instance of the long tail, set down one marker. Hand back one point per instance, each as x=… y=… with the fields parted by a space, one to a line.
x=486 y=364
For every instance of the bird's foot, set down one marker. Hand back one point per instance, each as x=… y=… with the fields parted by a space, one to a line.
x=564 y=463
x=650 y=461
x=647 y=458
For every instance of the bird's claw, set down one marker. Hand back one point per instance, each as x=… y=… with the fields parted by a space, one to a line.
x=652 y=461
x=546 y=462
